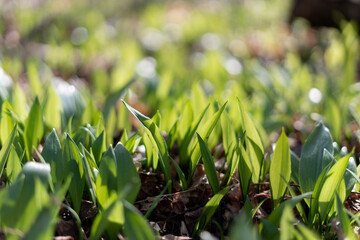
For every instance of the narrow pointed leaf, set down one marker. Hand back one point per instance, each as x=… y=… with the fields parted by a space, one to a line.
x=185 y=142
x=180 y=174
x=5 y=150
x=204 y=132
x=332 y=182
x=280 y=168
x=209 y=166
x=209 y=210
x=6 y=122
x=156 y=138
x=34 y=128
x=74 y=167
x=344 y=220
x=136 y=227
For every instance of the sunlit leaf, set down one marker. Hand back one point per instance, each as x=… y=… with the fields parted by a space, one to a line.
x=156 y=139
x=136 y=227
x=6 y=148
x=6 y=122
x=33 y=76
x=99 y=146
x=204 y=132
x=13 y=166
x=19 y=102
x=106 y=179
x=280 y=168
x=184 y=142
x=34 y=128
x=332 y=181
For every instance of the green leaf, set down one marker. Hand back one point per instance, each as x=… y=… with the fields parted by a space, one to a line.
x=35 y=83
x=334 y=117
x=244 y=169
x=275 y=216
x=99 y=146
x=254 y=147
x=34 y=128
x=172 y=135
x=101 y=220
x=253 y=157
x=249 y=126
x=52 y=110
x=13 y=166
x=181 y=175
x=114 y=98
x=307 y=234
x=344 y=220
x=209 y=166
x=185 y=122
x=6 y=148
x=43 y=227
x=157 y=119
x=53 y=155
x=156 y=139
x=74 y=167
x=229 y=136
x=6 y=122
x=295 y=162
x=243 y=228
x=209 y=210
x=204 y=132
x=110 y=125
x=331 y=183
x=286 y=224
x=126 y=172
x=132 y=143
x=184 y=142
x=311 y=161
x=280 y=167
x=150 y=152
x=106 y=182
x=88 y=174
x=351 y=170
x=85 y=135
x=19 y=102
x=72 y=104
x=135 y=226
x=230 y=145
x=234 y=163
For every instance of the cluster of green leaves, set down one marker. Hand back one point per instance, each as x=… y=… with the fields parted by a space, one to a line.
x=80 y=164
x=75 y=166
x=83 y=163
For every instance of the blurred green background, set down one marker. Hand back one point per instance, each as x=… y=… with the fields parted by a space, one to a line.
x=288 y=74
